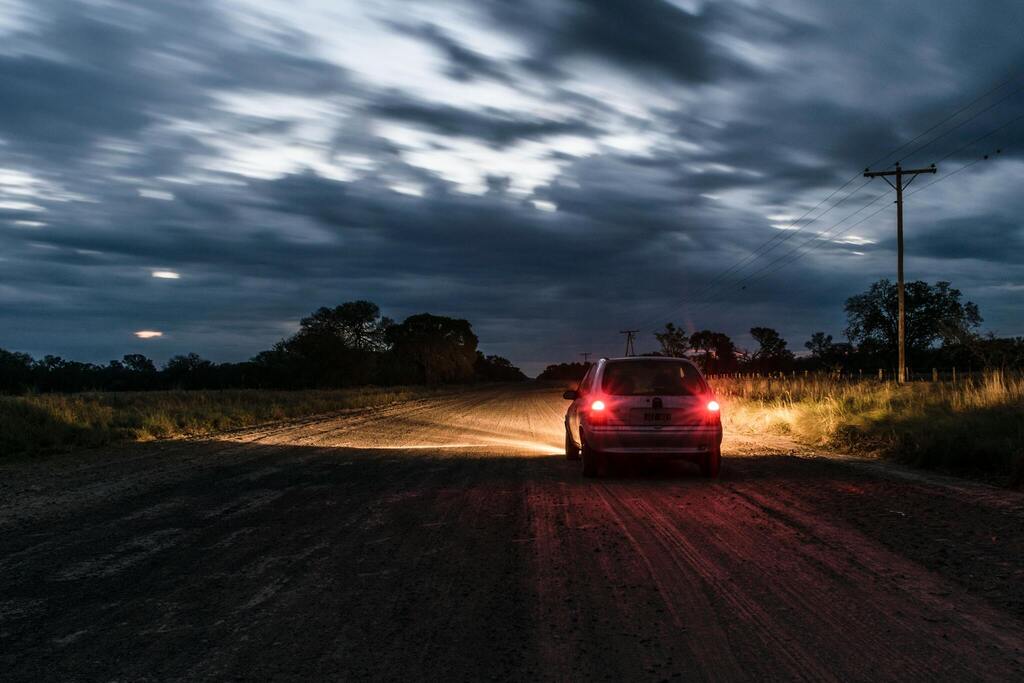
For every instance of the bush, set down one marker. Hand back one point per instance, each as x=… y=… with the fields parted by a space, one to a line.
x=973 y=425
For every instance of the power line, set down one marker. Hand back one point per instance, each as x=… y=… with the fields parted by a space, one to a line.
x=787 y=235
x=948 y=118
x=822 y=237
x=870 y=216
x=755 y=255
x=964 y=122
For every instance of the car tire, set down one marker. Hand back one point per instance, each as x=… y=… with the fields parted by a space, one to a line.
x=591 y=461
x=712 y=464
x=572 y=451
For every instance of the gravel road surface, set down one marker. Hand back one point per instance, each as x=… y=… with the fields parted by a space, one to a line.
x=447 y=538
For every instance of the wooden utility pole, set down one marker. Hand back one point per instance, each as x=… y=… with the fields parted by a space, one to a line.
x=630 y=338
x=898 y=172
x=586 y=357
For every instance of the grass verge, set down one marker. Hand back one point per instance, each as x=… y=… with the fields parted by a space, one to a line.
x=973 y=426
x=47 y=423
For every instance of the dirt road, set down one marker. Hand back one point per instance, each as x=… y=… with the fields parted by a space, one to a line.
x=446 y=538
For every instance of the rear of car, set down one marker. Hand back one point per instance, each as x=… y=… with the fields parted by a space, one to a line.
x=644 y=407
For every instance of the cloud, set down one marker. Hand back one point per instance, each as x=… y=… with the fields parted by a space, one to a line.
x=464 y=63
x=554 y=171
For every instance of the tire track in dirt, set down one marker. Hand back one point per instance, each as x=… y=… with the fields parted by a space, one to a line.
x=442 y=538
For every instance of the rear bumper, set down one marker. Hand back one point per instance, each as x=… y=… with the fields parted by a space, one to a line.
x=660 y=441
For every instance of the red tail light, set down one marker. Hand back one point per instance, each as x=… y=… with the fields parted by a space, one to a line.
x=597 y=412
x=713 y=406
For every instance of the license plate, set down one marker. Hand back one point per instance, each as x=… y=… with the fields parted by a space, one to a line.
x=657 y=417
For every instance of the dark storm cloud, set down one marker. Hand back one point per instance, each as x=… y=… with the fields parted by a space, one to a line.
x=650 y=35
x=989 y=239
x=64 y=105
x=109 y=72
x=464 y=64
x=741 y=113
x=492 y=126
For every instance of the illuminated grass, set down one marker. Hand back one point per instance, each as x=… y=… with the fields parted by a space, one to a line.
x=974 y=424
x=31 y=425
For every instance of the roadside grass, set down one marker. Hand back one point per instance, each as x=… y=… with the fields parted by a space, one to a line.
x=46 y=423
x=975 y=425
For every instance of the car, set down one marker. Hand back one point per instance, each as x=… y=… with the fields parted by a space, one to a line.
x=643 y=407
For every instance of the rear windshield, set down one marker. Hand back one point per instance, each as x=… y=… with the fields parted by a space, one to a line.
x=651 y=378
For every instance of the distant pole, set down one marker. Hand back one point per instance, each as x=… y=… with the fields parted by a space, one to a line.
x=586 y=357
x=630 y=339
x=901 y=370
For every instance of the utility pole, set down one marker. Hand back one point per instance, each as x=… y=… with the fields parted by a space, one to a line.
x=630 y=338
x=901 y=372
x=586 y=357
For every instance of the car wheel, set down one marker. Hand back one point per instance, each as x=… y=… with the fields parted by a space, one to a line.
x=712 y=464
x=591 y=461
x=572 y=451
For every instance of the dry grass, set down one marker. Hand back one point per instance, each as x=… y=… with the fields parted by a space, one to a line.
x=31 y=425
x=975 y=424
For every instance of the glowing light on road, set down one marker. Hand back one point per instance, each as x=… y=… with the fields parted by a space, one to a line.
x=166 y=275
x=597 y=406
x=713 y=406
x=148 y=334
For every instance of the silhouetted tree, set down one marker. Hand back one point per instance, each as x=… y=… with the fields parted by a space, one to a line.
x=564 y=371
x=933 y=313
x=716 y=351
x=820 y=345
x=440 y=349
x=674 y=341
x=15 y=372
x=339 y=346
x=189 y=371
x=496 y=369
x=772 y=354
x=136 y=362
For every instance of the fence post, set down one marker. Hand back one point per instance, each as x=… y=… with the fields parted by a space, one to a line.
x=954 y=374
x=935 y=375
x=880 y=376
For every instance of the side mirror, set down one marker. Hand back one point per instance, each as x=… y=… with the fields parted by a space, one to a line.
x=570 y=395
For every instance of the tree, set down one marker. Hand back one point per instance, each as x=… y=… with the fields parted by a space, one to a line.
x=496 y=369
x=718 y=353
x=355 y=325
x=440 y=349
x=772 y=353
x=189 y=371
x=674 y=341
x=15 y=371
x=339 y=346
x=820 y=345
x=933 y=313
x=136 y=362
x=564 y=371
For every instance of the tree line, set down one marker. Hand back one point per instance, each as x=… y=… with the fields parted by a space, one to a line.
x=352 y=344
x=940 y=333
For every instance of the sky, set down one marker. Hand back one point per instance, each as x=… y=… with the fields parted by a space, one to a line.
x=554 y=171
